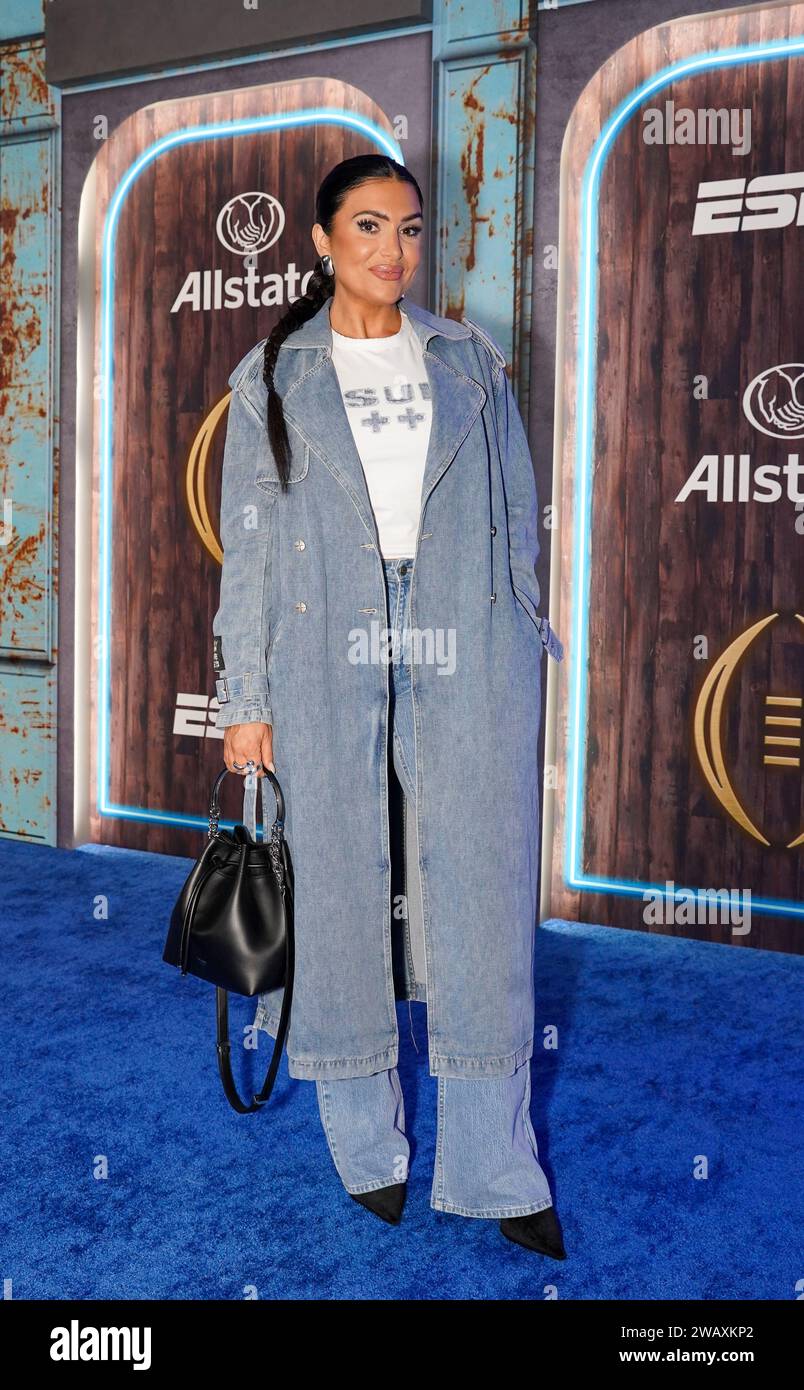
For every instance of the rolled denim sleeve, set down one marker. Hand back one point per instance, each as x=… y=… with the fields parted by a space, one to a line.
x=241 y=622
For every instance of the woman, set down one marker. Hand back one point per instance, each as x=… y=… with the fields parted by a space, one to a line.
x=377 y=483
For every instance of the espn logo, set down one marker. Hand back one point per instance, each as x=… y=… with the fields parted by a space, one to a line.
x=194 y=715
x=749 y=205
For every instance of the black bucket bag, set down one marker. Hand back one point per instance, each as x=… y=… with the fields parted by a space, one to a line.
x=232 y=924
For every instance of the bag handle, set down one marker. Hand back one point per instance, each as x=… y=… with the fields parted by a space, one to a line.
x=249 y=804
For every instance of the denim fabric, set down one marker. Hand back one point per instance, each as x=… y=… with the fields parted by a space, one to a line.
x=302 y=604
x=486 y=1161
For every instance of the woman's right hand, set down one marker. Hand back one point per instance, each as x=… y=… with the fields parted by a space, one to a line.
x=244 y=741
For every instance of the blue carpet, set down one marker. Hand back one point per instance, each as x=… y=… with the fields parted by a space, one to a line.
x=127 y=1175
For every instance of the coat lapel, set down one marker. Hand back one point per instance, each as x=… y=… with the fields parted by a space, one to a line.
x=314 y=407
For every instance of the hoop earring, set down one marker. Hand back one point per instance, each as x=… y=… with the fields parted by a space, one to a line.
x=327 y=266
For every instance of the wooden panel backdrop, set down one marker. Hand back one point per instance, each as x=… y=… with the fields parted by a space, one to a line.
x=170 y=372
x=673 y=307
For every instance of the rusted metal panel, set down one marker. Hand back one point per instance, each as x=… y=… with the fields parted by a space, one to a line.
x=27 y=753
x=27 y=103
x=485 y=84
x=29 y=332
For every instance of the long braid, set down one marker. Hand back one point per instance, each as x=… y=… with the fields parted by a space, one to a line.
x=319 y=289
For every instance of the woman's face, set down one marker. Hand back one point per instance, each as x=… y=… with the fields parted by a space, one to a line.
x=376 y=239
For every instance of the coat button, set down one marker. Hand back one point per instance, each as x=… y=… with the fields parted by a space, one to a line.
x=494 y=530
x=301 y=607
x=299 y=545
x=494 y=598
x=403 y=569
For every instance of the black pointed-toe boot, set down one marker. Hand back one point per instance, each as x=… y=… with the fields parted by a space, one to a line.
x=385 y=1202
x=539 y=1231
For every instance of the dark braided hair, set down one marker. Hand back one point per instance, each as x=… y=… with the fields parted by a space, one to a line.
x=340 y=180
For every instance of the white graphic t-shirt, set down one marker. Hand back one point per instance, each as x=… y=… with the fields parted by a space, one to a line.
x=386 y=395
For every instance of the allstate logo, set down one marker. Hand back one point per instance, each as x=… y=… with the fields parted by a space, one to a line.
x=774 y=401
x=250 y=223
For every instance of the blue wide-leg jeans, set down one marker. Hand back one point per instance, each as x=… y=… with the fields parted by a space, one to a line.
x=486 y=1160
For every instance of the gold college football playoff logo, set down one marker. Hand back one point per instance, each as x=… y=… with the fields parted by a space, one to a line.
x=782 y=730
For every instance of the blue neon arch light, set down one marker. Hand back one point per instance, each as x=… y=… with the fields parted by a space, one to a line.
x=250 y=126
x=586 y=377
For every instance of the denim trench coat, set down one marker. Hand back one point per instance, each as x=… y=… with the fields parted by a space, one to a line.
x=300 y=631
